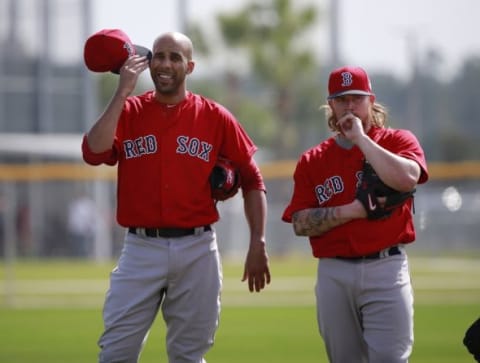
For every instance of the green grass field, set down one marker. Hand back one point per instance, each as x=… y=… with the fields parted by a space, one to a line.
x=50 y=312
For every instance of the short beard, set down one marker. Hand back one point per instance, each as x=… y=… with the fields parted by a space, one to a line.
x=166 y=90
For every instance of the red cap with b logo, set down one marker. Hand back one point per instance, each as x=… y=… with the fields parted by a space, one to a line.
x=349 y=80
x=108 y=49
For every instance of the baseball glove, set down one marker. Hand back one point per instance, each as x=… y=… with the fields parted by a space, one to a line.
x=472 y=339
x=224 y=180
x=371 y=188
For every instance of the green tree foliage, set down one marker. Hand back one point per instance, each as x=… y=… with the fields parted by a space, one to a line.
x=271 y=33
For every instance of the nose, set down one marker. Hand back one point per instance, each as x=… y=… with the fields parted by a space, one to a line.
x=349 y=103
x=165 y=62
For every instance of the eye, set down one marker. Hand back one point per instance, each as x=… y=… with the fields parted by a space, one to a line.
x=158 y=56
x=176 y=57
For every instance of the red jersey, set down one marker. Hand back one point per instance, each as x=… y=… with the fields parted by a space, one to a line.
x=165 y=155
x=327 y=175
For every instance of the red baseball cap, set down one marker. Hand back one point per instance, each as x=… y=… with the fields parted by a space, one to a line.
x=349 y=80
x=108 y=49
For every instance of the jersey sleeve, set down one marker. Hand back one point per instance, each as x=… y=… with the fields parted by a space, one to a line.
x=251 y=178
x=108 y=157
x=407 y=146
x=237 y=145
x=111 y=156
x=303 y=191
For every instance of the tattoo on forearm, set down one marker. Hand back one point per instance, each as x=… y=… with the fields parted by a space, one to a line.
x=315 y=221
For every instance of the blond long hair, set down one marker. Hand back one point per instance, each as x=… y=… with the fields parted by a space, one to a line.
x=378 y=116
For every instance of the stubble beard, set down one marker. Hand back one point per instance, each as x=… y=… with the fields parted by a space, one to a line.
x=166 y=90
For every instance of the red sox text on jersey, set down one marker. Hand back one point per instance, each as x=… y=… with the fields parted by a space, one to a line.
x=185 y=145
x=331 y=186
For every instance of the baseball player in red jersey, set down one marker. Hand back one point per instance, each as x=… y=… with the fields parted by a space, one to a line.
x=166 y=143
x=363 y=290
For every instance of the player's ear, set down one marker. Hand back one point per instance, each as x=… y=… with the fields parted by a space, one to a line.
x=190 y=66
x=372 y=99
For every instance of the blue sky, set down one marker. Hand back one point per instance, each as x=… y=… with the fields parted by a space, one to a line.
x=377 y=34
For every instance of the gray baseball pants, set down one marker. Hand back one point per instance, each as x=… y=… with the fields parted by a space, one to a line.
x=365 y=309
x=182 y=277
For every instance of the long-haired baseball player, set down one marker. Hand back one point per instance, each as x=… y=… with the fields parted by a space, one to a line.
x=166 y=142
x=353 y=198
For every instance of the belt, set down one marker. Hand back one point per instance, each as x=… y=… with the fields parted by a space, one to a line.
x=391 y=251
x=168 y=232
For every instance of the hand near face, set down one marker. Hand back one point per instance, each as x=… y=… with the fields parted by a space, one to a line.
x=130 y=71
x=351 y=126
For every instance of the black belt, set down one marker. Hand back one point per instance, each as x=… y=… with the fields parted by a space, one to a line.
x=392 y=251
x=168 y=232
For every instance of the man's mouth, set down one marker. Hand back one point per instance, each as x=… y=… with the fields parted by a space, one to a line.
x=164 y=77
